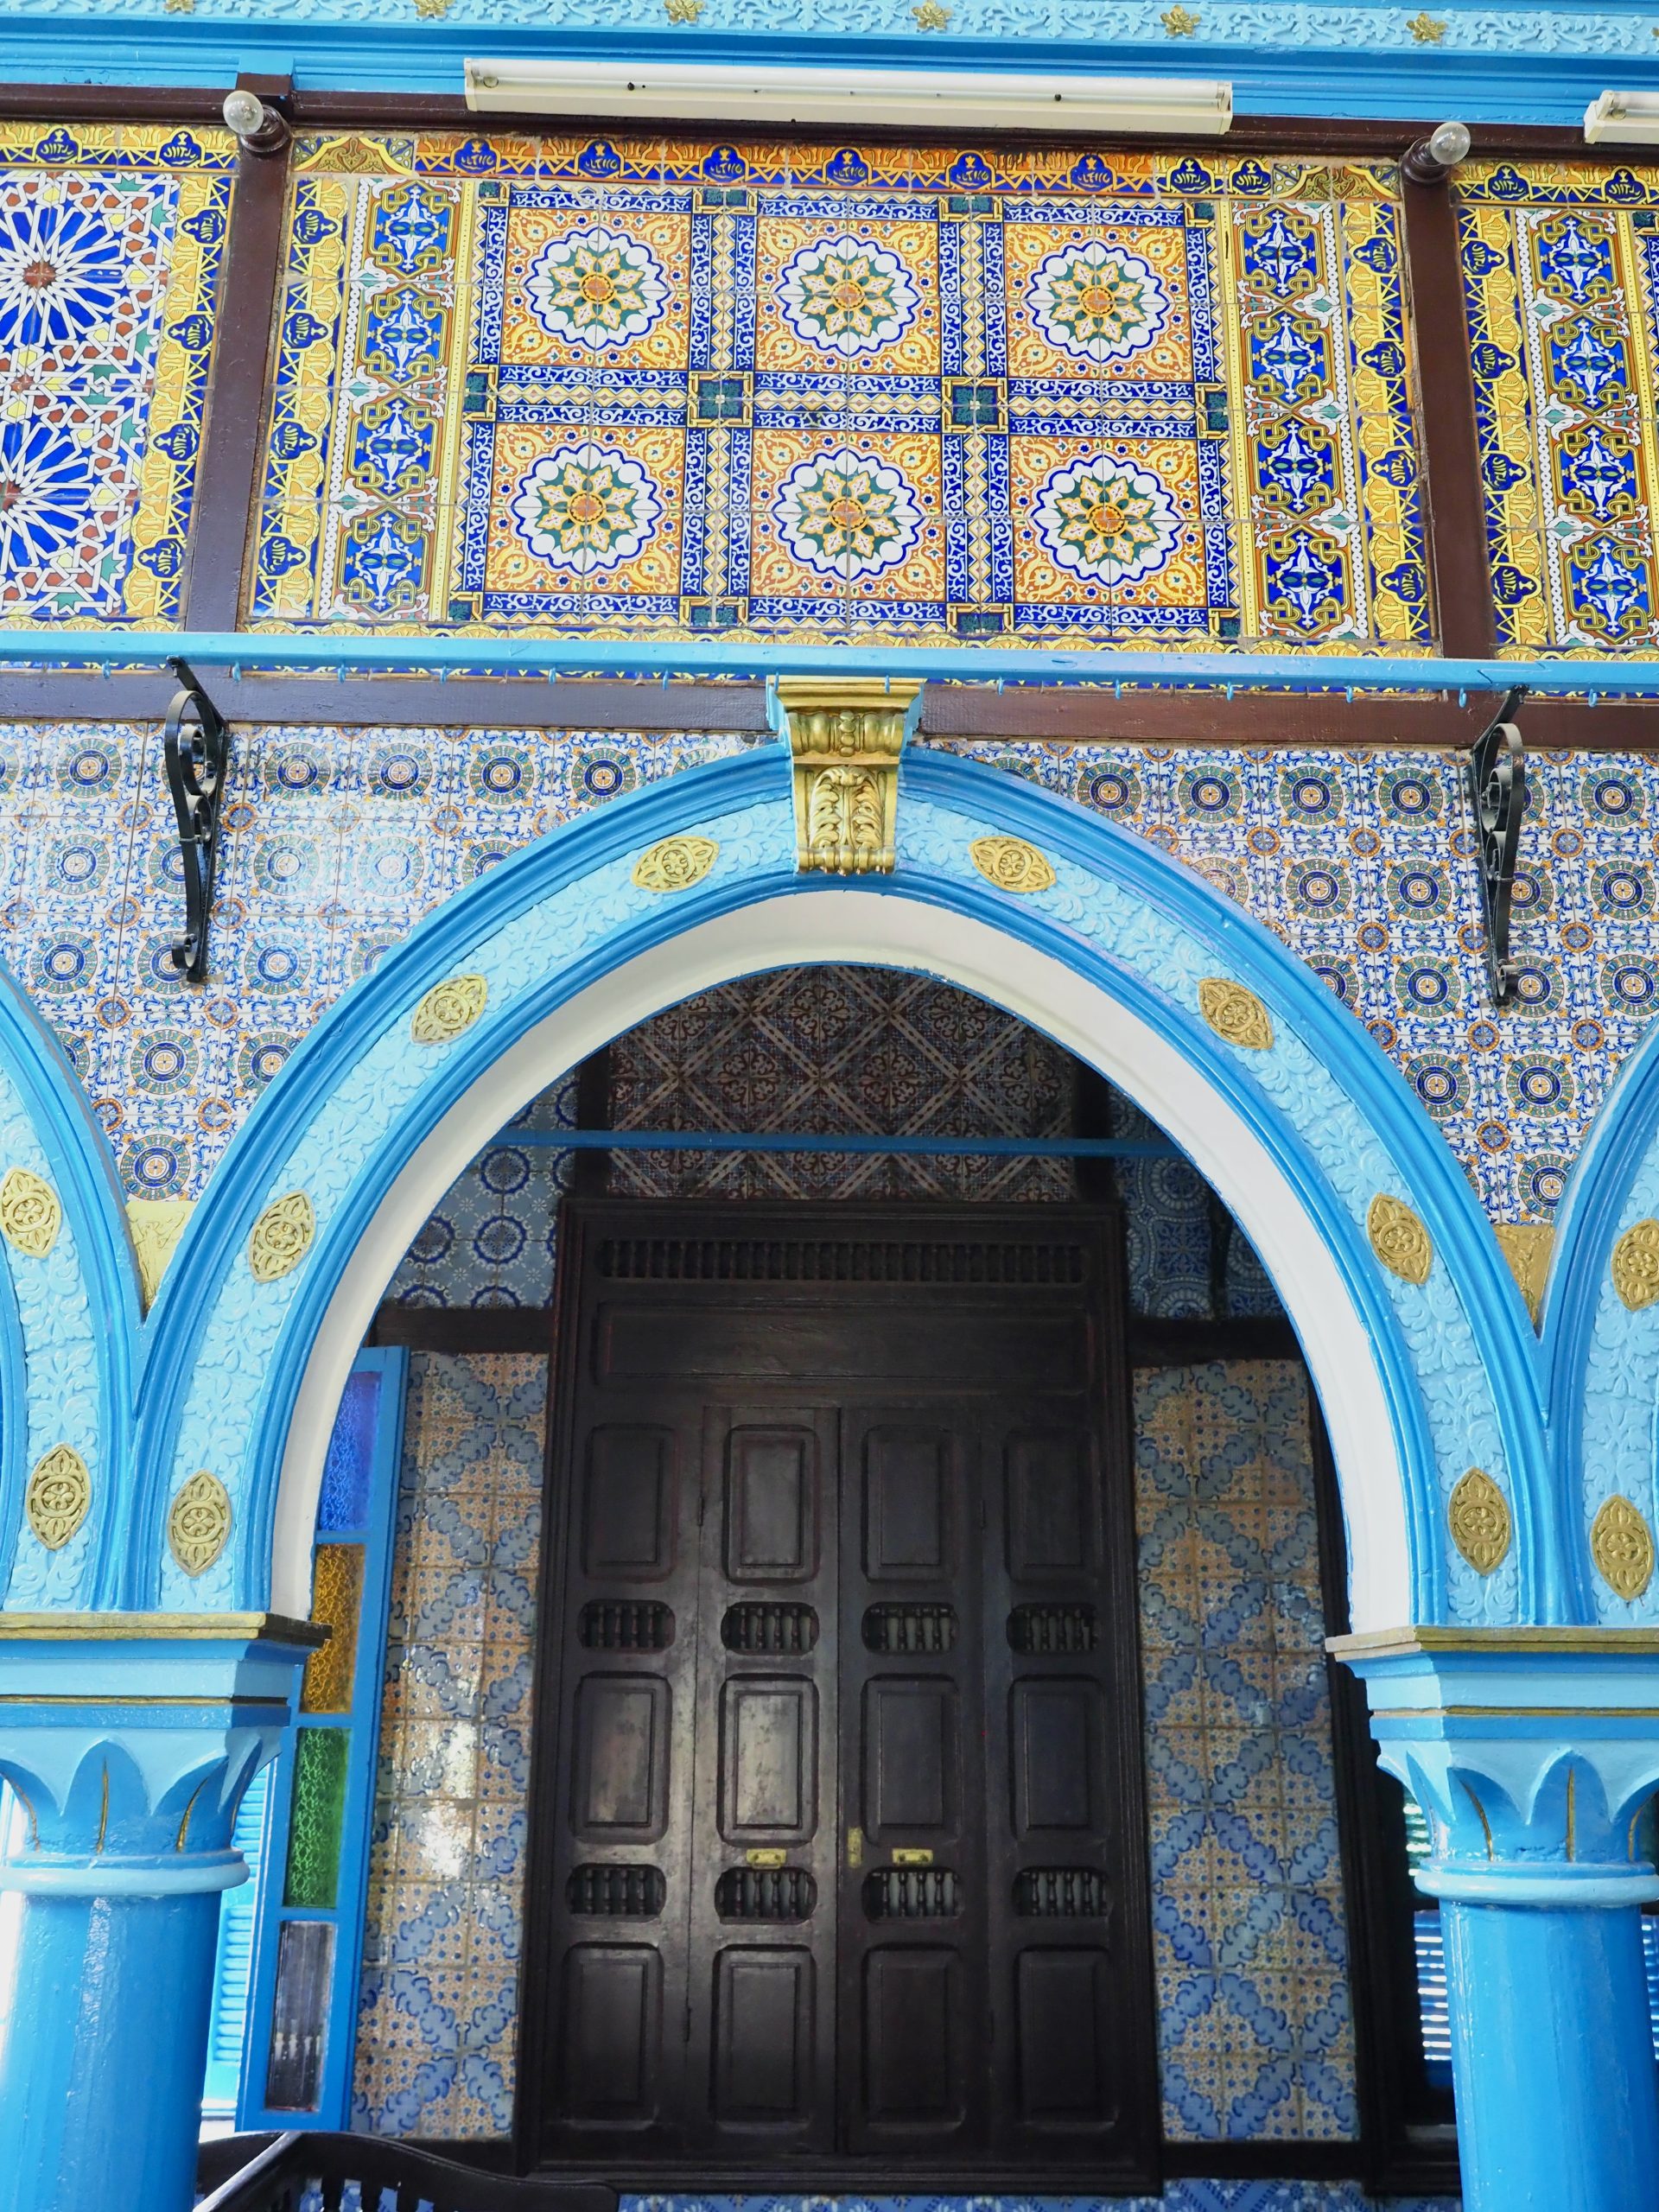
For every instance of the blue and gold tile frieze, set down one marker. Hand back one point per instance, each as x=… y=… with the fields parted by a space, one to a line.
x=1561 y=265
x=648 y=388
x=110 y=240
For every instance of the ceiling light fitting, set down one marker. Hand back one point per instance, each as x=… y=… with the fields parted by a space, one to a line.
x=720 y=92
x=1623 y=119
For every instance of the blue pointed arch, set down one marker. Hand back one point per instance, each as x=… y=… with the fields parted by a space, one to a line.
x=1454 y=1357
x=68 y=1324
x=1601 y=1358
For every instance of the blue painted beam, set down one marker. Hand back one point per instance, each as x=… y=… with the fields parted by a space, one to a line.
x=651 y=657
x=1539 y=63
x=790 y=1141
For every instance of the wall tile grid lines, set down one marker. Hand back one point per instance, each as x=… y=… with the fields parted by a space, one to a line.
x=1561 y=278
x=1249 y=1941
x=437 y=2021
x=687 y=389
x=1363 y=865
x=335 y=842
x=111 y=239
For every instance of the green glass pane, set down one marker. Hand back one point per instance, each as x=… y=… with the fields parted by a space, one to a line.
x=313 y=1878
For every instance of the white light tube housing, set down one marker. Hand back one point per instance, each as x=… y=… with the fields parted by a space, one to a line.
x=1623 y=119
x=708 y=92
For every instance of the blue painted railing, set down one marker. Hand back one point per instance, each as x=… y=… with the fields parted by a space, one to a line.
x=113 y=651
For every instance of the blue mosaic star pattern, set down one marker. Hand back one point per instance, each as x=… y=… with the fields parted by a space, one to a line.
x=690 y=388
x=439 y=2006
x=335 y=843
x=111 y=239
x=1364 y=864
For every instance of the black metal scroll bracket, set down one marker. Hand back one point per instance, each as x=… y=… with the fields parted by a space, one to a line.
x=1497 y=784
x=197 y=755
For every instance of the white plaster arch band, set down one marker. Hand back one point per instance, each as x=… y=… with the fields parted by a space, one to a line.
x=69 y=1319
x=1419 y=1381
x=1602 y=1355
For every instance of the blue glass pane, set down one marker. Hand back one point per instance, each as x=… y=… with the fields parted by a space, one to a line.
x=345 y=1500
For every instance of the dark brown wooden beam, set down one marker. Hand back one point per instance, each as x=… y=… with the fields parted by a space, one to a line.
x=1454 y=511
x=236 y=407
x=469 y=702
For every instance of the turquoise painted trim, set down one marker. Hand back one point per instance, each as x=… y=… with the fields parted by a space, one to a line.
x=349 y=1915
x=648 y=657
x=1590 y=1338
x=78 y=1326
x=1538 y=63
x=14 y=1424
x=258 y=1160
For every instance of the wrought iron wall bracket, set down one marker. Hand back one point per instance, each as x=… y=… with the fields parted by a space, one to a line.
x=1497 y=786
x=197 y=747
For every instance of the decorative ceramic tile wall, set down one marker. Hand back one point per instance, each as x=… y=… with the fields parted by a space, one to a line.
x=490 y=1240
x=335 y=843
x=439 y=2015
x=1562 y=275
x=1364 y=864
x=111 y=237
x=692 y=388
x=1251 y=1945
x=866 y=1050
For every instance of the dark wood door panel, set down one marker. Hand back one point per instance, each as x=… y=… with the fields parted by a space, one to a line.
x=880 y=1346
x=843 y=1858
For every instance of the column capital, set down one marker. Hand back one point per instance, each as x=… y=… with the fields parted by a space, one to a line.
x=129 y=1739
x=1532 y=1752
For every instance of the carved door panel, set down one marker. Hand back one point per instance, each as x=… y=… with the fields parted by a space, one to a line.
x=762 y=2025
x=619 y=1872
x=913 y=2049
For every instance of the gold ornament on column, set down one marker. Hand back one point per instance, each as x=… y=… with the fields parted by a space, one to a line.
x=60 y=1492
x=1478 y=1515
x=448 y=1008
x=1399 y=1239
x=280 y=1237
x=1621 y=1544
x=675 y=864
x=30 y=1215
x=1635 y=1265
x=1236 y=1014
x=845 y=734
x=1011 y=864
x=199 y=1522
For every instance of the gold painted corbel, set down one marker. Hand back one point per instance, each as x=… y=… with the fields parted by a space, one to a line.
x=845 y=736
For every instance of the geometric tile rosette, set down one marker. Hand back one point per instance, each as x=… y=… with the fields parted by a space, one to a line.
x=110 y=240
x=1561 y=280
x=694 y=389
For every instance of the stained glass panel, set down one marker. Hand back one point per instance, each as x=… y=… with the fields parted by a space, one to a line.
x=343 y=1502
x=336 y=1603
x=312 y=1880
x=299 y=2022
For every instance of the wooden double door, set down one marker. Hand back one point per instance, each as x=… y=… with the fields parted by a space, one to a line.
x=840 y=1852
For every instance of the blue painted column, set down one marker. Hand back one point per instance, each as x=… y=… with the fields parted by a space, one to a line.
x=1532 y=1753
x=129 y=1739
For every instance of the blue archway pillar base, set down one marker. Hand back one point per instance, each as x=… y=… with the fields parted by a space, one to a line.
x=1533 y=1754
x=129 y=1741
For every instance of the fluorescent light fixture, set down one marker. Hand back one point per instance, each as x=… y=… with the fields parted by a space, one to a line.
x=1623 y=119
x=708 y=92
